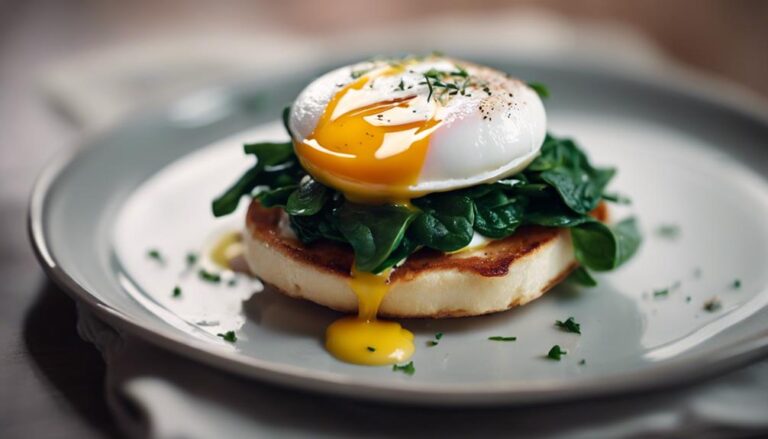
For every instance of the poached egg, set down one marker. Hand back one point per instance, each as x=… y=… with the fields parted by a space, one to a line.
x=388 y=131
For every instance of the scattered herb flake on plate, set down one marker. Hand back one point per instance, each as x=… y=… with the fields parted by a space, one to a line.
x=371 y=349
x=228 y=336
x=501 y=338
x=208 y=276
x=177 y=291
x=668 y=231
x=736 y=284
x=713 y=305
x=407 y=369
x=556 y=352
x=156 y=255
x=191 y=259
x=569 y=325
x=661 y=293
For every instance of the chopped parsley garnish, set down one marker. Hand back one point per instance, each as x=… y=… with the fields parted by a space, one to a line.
x=358 y=73
x=228 y=336
x=660 y=293
x=429 y=84
x=687 y=299
x=737 y=284
x=156 y=255
x=713 y=304
x=583 y=361
x=555 y=353
x=177 y=291
x=407 y=369
x=540 y=89
x=435 y=342
x=664 y=292
x=668 y=231
x=232 y=282
x=401 y=85
x=191 y=259
x=569 y=325
x=371 y=349
x=208 y=276
x=501 y=338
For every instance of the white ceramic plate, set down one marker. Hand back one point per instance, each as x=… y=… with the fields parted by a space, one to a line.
x=685 y=159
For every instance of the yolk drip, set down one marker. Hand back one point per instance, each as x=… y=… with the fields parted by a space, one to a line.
x=355 y=149
x=227 y=247
x=364 y=339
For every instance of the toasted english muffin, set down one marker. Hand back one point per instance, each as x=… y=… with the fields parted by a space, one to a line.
x=503 y=274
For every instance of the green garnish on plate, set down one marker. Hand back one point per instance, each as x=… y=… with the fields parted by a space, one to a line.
x=408 y=369
x=229 y=336
x=502 y=338
x=555 y=353
x=569 y=325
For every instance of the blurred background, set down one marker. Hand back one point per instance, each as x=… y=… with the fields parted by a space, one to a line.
x=70 y=67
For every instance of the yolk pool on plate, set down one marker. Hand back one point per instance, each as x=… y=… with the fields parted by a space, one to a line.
x=353 y=152
x=363 y=339
x=226 y=248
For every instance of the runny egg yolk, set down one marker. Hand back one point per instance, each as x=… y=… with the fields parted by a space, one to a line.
x=363 y=339
x=372 y=152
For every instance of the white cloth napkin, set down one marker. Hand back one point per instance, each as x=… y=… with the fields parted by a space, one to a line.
x=156 y=394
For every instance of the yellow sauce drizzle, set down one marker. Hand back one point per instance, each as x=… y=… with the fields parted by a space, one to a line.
x=363 y=339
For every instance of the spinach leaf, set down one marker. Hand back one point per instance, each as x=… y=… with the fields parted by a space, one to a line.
x=594 y=245
x=540 y=89
x=601 y=248
x=406 y=248
x=227 y=202
x=566 y=169
x=582 y=277
x=445 y=222
x=628 y=239
x=554 y=215
x=273 y=168
x=270 y=153
x=497 y=215
x=374 y=232
x=276 y=197
x=308 y=199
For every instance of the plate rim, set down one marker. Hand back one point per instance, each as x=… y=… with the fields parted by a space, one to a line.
x=672 y=374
